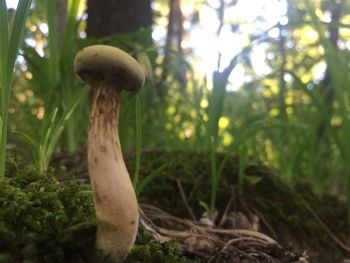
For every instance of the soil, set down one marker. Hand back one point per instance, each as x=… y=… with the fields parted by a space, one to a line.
x=50 y=217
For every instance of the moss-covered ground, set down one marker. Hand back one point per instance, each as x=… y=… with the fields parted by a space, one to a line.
x=284 y=212
x=42 y=220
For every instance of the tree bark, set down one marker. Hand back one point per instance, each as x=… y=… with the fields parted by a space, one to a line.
x=110 y=17
x=173 y=41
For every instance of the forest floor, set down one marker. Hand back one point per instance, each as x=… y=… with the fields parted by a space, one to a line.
x=50 y=218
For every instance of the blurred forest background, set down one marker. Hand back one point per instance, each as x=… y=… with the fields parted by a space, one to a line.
x=267 y=80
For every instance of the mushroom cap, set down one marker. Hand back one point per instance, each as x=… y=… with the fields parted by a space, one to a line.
x=107 y=63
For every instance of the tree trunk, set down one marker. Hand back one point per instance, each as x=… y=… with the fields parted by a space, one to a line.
x=173 y=42
x=110 y=17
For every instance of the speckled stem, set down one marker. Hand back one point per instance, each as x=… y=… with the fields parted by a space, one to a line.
x=114 y=196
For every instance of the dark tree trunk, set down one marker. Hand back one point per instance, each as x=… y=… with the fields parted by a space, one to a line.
x=173 y=39
x=109 y=17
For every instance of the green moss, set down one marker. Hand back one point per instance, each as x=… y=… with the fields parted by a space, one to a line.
x=147 y=249
x=42 y=220
x=295 y=227
x=193 y=169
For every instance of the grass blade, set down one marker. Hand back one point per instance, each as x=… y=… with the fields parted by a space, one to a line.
x=241 y=169
x=46 y=136
x=9 y=46
x=32 y=145
x=57 y=129
x=17 y=32
x=4 y=38
x=1 y=126
x=148 y=179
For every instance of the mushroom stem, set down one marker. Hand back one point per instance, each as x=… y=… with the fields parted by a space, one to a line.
x=110 y=70
x=114 y=196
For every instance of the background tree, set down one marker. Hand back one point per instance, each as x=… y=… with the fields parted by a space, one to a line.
x=117 y=17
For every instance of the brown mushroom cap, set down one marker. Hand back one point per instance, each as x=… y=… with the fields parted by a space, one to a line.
x=101 y=62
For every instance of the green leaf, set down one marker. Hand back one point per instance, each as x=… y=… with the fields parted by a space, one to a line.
x=48 y=128
x=205 y=206
x=1 y=123
x=149 y=178
x=72 y=13
x=32 y=145
x=56 y=130
x=4 y=38
x=8 y=53
x=253 y=180
x=17 y=32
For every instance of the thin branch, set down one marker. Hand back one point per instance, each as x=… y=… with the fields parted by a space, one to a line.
x=184 y=199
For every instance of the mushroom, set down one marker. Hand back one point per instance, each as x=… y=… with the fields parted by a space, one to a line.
x=109 y=70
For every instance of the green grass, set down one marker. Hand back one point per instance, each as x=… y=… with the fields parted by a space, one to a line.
x=43 y=150
x=10 y=40
x=339 y=68
x=216 y=108
x=54 y=80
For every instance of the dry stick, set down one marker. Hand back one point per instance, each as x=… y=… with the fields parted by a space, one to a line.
x=244 y=239
x=163 y=231
x=197 y=231
x=240 y=232
x=184 y=199
x=238 y=251
x=211 y=242
x=234 y=232
x=266 y=256
x=160 y=214
x=194 y=187
x=227 y=210
x=173 y=233
x=150 y=226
